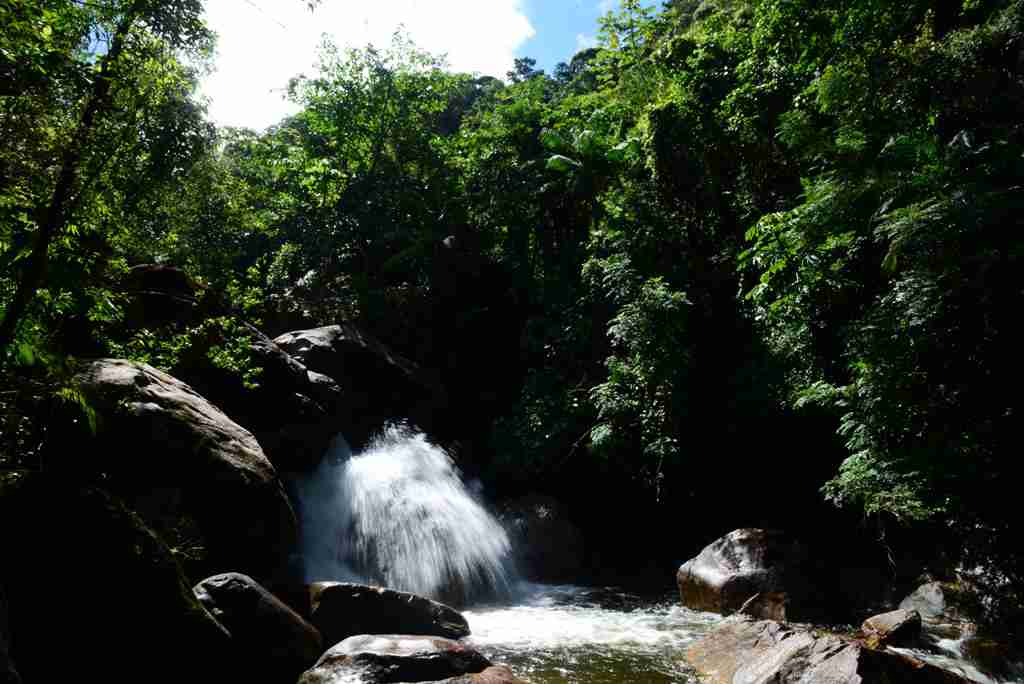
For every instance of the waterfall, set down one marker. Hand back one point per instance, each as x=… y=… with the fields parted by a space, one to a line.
x=399 y=514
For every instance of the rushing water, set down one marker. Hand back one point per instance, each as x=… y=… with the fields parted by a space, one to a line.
x=950 y=654
x=570 y=634
x=399 y=515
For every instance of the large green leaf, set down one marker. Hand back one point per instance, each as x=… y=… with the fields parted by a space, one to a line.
x=562 y=164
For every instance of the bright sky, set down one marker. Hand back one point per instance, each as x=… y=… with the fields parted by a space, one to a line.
x=263 y=43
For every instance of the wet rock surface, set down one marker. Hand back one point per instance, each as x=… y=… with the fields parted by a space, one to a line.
x=273 y=641
x=496 y=674
x=341 y=610
x=896 y=628
x=743 y=651
x=396 y=658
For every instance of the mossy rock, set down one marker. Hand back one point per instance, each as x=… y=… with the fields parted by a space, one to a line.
x=93 y=594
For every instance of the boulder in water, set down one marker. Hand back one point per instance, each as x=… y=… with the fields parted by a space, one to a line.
x=769 y=652
x=342 y=609
x=171 y=453
x=274 y=643
x=394 y=658
x=547 y=544
x=761 y=573
x=895 y=628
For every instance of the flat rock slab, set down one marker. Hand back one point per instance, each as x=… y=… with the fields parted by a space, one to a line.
x=387 y=659
x=895 y=628
x=342 y=609
x=495 y=674
x=742 y=651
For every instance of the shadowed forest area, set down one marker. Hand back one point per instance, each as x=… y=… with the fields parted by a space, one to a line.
x=747 y=263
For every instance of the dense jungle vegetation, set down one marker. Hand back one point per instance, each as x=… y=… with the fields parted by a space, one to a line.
x=744 y=260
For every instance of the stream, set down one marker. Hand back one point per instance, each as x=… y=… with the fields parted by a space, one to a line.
x=398 y=514
x=570 y=634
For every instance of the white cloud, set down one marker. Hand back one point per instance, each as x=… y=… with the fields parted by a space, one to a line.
x=584 y=42
x=606 y=6
x=263 y=43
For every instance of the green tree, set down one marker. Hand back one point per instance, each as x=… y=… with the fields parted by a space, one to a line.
x=99 y=115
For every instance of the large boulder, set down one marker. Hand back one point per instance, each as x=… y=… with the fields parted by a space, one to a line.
x=547 y=545
x=173 y=455
x=289 y=409
x=762 y=573
x=743 y=651
x=394 y=658
x=94 y=595
x=379 y=385
x=275 y=643
x=159 y=295
x=342 y=609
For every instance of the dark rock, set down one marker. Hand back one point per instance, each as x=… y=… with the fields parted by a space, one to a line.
x=170 y=453
x=8 y=673
x=94 y=595
x=290 y=410
x=274 y=642
x=548 y=546
x=742 y=651
x=379 y=385
x=760 y=573
x=159 y=295
x=896 y=628
x=341 y=610
x=394 y=658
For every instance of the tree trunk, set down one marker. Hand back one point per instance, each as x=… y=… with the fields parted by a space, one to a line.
x=58 y=210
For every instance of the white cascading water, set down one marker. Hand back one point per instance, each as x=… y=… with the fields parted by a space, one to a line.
x=398 y=514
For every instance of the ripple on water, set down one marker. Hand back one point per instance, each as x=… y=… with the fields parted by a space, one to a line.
x=576 y=634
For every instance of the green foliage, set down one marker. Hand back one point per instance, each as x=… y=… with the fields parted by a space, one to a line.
x=98 y=120
x=646 y=377
x=223 y=340
x=724 y=207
